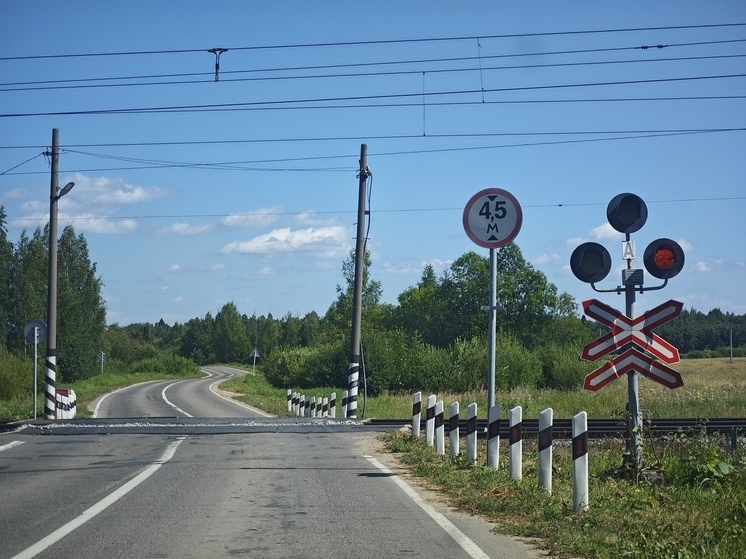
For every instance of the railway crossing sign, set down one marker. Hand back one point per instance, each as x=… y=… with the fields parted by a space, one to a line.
x=629 y=361
x=492 y=218
x=637 y=331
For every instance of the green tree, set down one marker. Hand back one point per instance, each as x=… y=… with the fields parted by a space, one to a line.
x=6 y=266
x=28 y=281
x=81 y=311
x=229 y=336
x=196 y=342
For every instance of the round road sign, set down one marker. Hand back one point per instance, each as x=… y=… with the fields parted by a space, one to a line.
x=28 y=331
x=492 y=218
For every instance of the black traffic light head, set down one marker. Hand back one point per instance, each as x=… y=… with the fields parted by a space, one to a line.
x=627 y=213
x=663 y=258
x=590 y=262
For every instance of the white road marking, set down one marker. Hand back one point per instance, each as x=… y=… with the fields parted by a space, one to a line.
x=10 y=445
x=98 y=404
x=170 y=403
x=102 y=505
x=458 y=536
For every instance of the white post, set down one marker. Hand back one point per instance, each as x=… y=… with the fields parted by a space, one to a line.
x=580 y=462
x=430 y=420
x=440 y=443
x=546 y=420
x=333 y=406
x=344 y=403
x=313 y=407
x=290 y=400
x=416 y=414
x=471 y=432
x=453 y=438
x=325 y=407
x=493 y=436
x=516 y=443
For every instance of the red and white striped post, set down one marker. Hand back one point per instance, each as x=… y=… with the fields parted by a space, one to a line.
x=430 y=420
x=546 y=421
x=440 y=442
x=580 y=462
x=493 y=437
x=416 y=414
x=471 y=432
x=515 y=436
x=453 y=438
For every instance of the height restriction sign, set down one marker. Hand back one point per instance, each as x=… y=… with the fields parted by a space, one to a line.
x=492 y=218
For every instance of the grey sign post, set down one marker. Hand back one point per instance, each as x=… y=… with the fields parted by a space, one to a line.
x=492 y=218
x=35 y=333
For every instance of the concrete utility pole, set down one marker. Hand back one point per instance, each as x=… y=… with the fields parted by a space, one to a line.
x=50 y=363
x=50 y=396
x=353 y=371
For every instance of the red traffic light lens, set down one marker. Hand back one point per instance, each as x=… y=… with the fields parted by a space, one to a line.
x=664 y=258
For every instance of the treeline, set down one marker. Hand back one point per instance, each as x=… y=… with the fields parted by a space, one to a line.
x=433 y=338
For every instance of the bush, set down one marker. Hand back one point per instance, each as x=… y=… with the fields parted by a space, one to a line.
x=514 y=364
x=17 y=375
x=562 y=367
x=307 y=367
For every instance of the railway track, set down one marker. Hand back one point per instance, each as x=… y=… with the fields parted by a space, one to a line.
x=598 y=428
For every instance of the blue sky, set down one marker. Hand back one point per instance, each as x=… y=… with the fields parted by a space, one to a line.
x=554 y=102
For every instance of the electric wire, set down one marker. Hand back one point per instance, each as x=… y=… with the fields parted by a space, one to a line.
x=383 y=41
x=311 y=102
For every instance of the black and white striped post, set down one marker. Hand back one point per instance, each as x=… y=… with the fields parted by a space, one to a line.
x=471 y=432
x=580 y=462
x=313 y=407
x=306 y=406
x=290 y=400
x=546 y=421
x=344 y=403
x=453 y=438
x=430 y=420
x=440 y=439
x=333 y=406
x=493 y=437
x=416 y=414
x=325 y=407
x=515 y=436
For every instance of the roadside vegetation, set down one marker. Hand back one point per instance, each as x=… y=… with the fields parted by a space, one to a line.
x=695 y=510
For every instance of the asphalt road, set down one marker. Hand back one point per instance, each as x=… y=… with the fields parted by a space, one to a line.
x=173 y=469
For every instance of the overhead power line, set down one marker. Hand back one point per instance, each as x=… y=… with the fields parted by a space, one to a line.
x=309 y=102
x=206 y=77
x=381 y=42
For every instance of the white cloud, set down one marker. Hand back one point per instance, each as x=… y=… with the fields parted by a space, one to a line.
x=266 y=271
x=605 y=232
x=686 y=246
x=406 y=269
x=700 y=266
x=108 y=191
x=545 y=259
x=325 y=242
x=176 y=268
x=178 y=299
x=263 y=217
x=219 y=267
x=187 y=229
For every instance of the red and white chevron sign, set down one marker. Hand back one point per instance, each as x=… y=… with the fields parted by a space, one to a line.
x=632 y=360
x=638 y=331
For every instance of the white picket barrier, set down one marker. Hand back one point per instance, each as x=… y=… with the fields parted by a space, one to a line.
x=66 y=404
x=546 y=421
x=430 y=420
x=580 y=462
x=440 y=445
x=516 y=443
x=453 y=434
x=493 y=436
x=471 y=432
x=416 y=414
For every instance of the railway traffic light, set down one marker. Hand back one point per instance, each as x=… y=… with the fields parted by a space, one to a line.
x=627 y=213
x=663 y=258
x=590 y=262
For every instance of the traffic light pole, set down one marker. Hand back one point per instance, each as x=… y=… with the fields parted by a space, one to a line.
x=634 y=420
